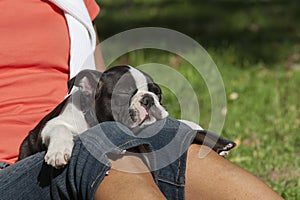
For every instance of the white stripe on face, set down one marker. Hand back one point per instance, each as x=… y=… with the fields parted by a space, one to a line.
x=140 y=79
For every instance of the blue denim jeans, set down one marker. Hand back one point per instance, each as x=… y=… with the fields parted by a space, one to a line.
x=163 y=146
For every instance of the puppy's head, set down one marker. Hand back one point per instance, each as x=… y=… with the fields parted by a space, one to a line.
x=129 y=96
x=83 y=88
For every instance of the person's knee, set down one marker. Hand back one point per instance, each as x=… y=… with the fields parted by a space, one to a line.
x=123 y=185
x=196 y=151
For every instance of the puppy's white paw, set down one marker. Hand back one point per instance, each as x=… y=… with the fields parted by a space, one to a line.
x=58 y=138
x=59 y=153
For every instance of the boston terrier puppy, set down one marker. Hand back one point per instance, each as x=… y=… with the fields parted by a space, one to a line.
x=123 y=94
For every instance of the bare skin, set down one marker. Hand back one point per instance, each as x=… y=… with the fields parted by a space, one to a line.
x=211 y=177
x=124 y=183
x=214 y=177
x=99 y=62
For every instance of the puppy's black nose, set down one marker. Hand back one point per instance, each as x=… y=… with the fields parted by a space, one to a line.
x=147 y=101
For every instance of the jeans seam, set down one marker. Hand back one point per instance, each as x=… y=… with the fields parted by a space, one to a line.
x=169 y=181
x=181 y=153
x=133 y=141
x=180 y=162
x=99 y=175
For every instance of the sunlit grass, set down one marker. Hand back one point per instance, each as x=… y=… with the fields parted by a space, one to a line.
x=255 y=45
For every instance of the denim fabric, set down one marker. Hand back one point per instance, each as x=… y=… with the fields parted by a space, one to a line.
x=163 y=145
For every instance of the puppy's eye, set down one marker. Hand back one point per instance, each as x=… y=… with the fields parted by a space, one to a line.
x=155 y=89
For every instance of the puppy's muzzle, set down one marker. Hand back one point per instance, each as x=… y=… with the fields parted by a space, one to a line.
x=147 y=101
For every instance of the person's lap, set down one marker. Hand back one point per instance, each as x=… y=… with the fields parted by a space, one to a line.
x=211 y=177
x=208 y=177
x=89 y=164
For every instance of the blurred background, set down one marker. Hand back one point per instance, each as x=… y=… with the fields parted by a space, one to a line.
x=256 y=46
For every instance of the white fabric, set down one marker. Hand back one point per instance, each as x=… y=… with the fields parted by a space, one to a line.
x=191 y=124
x=82 y=35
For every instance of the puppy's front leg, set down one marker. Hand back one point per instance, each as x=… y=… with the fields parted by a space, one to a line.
x=59 y=140
x=58 y=134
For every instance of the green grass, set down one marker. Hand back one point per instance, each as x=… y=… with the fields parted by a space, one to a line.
x=264 y=120
x=255 y=46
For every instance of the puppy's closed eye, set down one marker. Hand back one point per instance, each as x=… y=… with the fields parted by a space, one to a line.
x=153 y=87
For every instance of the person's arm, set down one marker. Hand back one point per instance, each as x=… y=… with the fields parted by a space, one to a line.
x=100 y=66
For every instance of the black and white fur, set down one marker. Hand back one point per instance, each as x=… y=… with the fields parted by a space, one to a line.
x=121 y=93
x=55 y=131
x=129 y=96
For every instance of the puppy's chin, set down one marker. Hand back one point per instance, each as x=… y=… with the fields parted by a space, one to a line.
x=145 y=118
x=142 y=122
x=147 y=121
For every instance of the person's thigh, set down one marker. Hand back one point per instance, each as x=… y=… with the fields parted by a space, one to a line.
x=123 y=184
x=214 y=177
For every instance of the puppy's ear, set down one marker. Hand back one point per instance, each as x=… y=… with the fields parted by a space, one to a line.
x=86 y=81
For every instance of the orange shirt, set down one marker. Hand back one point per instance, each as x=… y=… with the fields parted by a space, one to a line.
x=34 y=56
